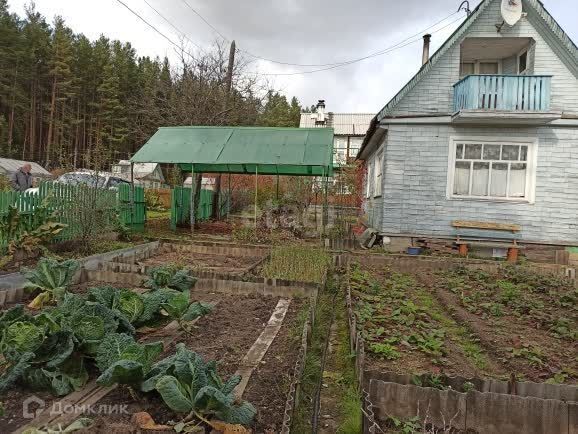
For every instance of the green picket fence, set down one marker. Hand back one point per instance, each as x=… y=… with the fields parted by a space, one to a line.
x=64 y=203
x=181 y=206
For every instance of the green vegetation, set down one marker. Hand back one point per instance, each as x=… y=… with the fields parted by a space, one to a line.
x=51 y=278
x=170 y=276
x=312 y=372
x=544 y=301
x=398 y=316
x=297 y=263
x=189 y=385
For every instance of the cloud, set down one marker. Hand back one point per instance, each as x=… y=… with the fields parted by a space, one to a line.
x=295 y=31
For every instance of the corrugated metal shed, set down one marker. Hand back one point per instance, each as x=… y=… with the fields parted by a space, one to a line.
x=9 y=166
x=343 y=124
x=283 y=151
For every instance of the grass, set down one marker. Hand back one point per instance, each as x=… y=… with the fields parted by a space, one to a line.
x=312 y=375
x=151 y=215
x=302 y=264
x=350 y=416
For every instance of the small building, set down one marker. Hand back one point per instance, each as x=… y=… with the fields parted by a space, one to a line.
x=349 y=131
x=485 y=131
x=149 y=175
x=8 y=166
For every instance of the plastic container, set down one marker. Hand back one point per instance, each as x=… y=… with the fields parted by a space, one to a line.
x=414 y=251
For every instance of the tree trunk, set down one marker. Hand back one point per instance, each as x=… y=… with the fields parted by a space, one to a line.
x=50 y=124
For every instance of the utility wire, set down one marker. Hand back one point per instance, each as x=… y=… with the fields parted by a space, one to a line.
x=379 y=53
x=332 y=66
x=172 y=25
x=345 y=62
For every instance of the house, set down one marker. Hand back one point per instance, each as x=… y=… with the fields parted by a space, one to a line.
x=8 y=166
x=348 y=128
x=149 y=175
x=487 y=130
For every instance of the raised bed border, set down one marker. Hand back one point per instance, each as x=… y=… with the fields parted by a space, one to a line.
x=12 y=285
x=536 y=407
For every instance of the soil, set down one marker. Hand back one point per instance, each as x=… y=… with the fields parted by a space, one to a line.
x=270 y=383
x=529 y=333
x=410 y=360
x=517 y=340
x=13 y=412
x=204 y=261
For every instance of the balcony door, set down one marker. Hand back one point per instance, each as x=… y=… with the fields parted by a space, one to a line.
x=480 y=67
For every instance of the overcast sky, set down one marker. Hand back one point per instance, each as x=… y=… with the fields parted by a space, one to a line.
x=293 y=31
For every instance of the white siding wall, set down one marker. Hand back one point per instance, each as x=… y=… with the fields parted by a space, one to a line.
x=414 y=194
x=434 y=93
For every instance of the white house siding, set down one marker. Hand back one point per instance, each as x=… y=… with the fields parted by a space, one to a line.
x=434 y=92
x=415 y=180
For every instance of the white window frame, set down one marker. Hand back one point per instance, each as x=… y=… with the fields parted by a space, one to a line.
x=377 y=174
x=527 y=51
x=369 y=178
x=531 y=162
x=477 y=65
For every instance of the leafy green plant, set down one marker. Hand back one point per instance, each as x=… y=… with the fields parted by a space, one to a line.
x=124 y=361
x=468 y=386
x=78 y=424
x=51 y=278
x=168 y=276
x=180 y=309
x=408 y=426
x=190 y=386
x=387 y=351
x=564 y=328
x=533 y=354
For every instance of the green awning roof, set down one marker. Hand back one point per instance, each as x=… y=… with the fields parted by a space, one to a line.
x=267 y=151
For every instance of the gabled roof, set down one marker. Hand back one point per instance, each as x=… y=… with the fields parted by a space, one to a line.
x=343 y=124
x=8 y=166
x=569 y=50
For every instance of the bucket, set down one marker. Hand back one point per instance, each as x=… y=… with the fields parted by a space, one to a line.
x=414 y=251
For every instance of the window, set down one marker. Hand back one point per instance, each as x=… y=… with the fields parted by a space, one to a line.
x=369 y=179
x=354 y=146
x=340 y=150
x=489 y=68
x=494 y=170
x=480 y=67
x=467 y=68
x=378 y=169
x=523 y=62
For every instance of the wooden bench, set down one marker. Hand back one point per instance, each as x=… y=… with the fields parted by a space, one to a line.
x=487 y=234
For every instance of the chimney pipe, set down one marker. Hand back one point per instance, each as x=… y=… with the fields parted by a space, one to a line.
x=425 y=55
x=320 y=118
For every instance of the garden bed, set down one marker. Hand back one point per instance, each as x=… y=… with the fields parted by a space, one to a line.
x=467 y=323
x=436 y=341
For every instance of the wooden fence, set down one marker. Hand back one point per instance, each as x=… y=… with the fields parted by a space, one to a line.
x=64 y=204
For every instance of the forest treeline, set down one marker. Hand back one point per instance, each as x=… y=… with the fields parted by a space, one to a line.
x=67 y=101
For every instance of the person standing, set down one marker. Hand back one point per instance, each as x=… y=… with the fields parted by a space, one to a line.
x=21 y=180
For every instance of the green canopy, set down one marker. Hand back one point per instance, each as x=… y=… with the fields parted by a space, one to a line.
x=266 y=151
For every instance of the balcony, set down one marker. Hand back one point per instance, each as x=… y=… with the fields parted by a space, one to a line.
x=523 y=99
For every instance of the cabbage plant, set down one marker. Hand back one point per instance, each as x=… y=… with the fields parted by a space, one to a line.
x=52 y=278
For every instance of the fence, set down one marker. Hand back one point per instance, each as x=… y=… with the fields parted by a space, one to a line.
x=64 y=204
x=181 y=206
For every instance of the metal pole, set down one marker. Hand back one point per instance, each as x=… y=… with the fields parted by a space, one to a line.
x=131 y=194
x=229 y=199
x=256 y=174
x=277 y=186
x=193 y=187
x=325 y=213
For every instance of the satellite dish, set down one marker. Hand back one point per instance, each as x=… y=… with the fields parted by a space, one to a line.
x=511 y=11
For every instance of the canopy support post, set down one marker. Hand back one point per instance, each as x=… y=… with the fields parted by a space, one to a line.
x=277 y=186
x=325 y=216
x=132 y=194
x=193 y=188
x=229 y=199
x=256 y=189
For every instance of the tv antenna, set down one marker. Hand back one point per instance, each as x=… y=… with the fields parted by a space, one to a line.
x=465 y=6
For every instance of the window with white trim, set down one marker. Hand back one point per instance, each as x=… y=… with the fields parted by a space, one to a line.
x=493 y=170
x=378 y=168
x=369 y=178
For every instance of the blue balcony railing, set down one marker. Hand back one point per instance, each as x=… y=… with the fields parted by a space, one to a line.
x=503 y=92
